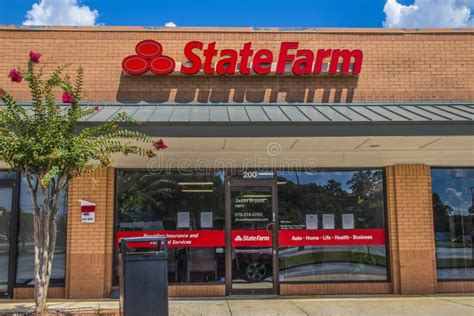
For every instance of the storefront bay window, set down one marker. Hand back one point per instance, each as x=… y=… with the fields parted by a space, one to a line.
x=186 y=207
x=332 y=226
x=16 y=233
x=26 y=249
x=453 y=213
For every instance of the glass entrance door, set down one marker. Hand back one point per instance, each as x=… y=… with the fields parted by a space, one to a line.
x=252 y=265
x=6 y=198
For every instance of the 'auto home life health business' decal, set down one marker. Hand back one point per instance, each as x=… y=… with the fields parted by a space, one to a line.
x=261 y=238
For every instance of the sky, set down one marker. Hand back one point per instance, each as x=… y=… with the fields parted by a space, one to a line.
x=455 y=187
x=256 y=13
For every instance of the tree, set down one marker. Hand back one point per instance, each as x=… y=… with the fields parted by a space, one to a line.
x=442 y=212
x=48 y=147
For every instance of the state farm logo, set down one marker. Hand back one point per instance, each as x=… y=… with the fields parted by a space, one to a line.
x=210 y=59
x=252 y=238
x=149 y=57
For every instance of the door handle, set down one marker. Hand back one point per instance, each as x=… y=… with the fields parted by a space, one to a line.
x=269 y=227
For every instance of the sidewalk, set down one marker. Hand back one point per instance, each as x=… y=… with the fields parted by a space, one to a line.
x=458 y=305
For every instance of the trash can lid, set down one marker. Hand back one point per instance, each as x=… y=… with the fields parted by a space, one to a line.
x=157 y=243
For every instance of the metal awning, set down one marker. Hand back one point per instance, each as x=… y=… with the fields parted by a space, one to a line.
x=280 y=120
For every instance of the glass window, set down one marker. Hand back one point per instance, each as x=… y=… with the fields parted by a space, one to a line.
x=186 y=207
x=251 y=238
x=6 y=208
x=26 y=250
x=7 y=175
x=453 y=207
x=332 y=226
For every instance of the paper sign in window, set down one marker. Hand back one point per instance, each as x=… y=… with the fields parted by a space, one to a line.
x=311 y=221
x=348 y=221
x=328 y=221
x=183 y=220
x=206 y=219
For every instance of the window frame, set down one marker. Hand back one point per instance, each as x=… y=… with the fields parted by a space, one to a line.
x=275 y=170
x=115 y=283
x=15 y=231
x=387 y=239
x=432 y=213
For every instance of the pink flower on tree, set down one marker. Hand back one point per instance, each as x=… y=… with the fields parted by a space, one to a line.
x=67 y=97
x=160 y=144
x=35 y=57
x=96 y=108
x=15 y=75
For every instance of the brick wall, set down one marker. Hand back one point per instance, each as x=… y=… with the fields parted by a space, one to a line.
x=411 y=242
x=398 y=65
x=90 y=246
x=335 y=288
x=456 y=287
x=29 y=292
x=412 y=248
x=196 y=290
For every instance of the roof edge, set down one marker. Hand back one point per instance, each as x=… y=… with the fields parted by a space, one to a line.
x=290 y=129
x=365 y=103
x=191 y=29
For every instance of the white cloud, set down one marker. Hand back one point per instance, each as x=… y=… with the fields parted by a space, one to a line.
x=456 y=200
x=429 y=14
x=454 y=195
x=170 y=24
x=60 y=12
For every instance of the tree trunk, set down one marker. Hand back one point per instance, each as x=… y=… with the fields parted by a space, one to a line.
x=45 y=227
x=45 y=244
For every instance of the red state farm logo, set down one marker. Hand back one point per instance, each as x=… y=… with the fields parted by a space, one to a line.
x=252 y=238
x=149 y=57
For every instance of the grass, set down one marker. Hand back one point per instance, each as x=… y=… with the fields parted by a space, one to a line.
x=455 y=263
x=334 y=256
x=448 y=244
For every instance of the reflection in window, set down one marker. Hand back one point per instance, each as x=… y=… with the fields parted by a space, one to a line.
x=26 y=250
x=174 y=201
x=453 y=207
x=7 y=175
x=6 y=194
x=330 y=201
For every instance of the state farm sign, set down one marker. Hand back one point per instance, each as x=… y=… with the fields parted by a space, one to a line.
x=177 y=238
x=211 y=59
x=251 y=238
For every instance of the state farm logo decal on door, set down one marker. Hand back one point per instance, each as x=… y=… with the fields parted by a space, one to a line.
x=251 y=238
x=210 y=59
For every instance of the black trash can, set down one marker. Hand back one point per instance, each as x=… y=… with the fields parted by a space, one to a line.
x=143 y=272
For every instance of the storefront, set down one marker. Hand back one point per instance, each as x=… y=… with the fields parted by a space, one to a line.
x=260 y=232
x=300 y=161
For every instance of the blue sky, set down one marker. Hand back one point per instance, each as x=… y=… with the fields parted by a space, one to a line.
x=258 y=13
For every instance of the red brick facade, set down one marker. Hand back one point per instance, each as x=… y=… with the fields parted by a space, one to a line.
x=398 y=66
x=411 y=229
x=90 y=247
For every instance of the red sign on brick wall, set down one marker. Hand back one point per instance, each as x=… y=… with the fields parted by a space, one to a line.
x=210 y=59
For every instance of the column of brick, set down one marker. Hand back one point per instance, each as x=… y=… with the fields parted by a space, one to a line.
x=109 y=228
x=411 y=229
x=392 y=230
x=89 y=246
